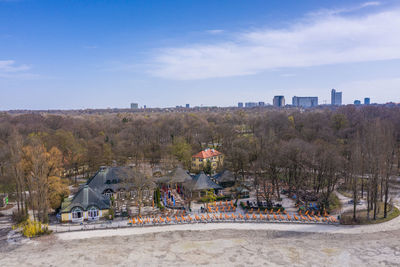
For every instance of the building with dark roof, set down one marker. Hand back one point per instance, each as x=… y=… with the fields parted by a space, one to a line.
x=87 y=204
x=176 y=176
x=93 y=200
x=202 y=183
x=225 y=178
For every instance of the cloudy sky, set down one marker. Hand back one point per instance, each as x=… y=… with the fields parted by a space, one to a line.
x=99 y=54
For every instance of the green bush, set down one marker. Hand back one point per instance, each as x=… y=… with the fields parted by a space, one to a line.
x=111 y=214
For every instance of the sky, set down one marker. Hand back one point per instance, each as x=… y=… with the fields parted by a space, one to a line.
x=74 y=54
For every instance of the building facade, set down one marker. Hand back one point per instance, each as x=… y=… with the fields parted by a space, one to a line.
x=92 y=201
x=279 y=101
x=134 y=105
x=367 y=101
x=240 y=105
x=199 y=160
x=251 y=104
x=336 y=98
x=305 y=102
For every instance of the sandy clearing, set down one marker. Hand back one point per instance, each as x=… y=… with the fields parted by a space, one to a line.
x=213 y=247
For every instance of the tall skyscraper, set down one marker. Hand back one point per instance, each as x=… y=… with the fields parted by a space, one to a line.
x=336 y=98
x=305 y=102
x=367 y=101
x=240 y=104
x=187 y=105
x=279 y=101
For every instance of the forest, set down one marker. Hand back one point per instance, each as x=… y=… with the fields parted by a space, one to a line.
x=311 y=151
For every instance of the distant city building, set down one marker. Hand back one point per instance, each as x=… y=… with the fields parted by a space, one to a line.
x=134 y=105
x=305 y=102
x=144 y=107
x=240 y=104
x=336 y=98
x=357 y=102
x=250 y=104
x=367 y=101
x=279 y=101
x=187 y=106
x=261 y=104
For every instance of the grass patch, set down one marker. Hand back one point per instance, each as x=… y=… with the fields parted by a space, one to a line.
x=361 y=216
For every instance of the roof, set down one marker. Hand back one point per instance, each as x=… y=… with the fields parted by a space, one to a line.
x=178 y=175
x=224 y=176
x=207 y=153
x=202 y=182
x=113 y=178
x=85 y=198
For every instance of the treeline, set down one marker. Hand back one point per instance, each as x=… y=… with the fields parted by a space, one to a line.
x=303 y=152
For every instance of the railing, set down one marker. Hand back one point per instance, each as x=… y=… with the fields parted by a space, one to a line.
x=218 y=219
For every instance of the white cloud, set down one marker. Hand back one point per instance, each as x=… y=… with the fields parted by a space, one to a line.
x=216 y=31
x=9 y=69
x=373 y=3
x=10 y=66
x=320 y=40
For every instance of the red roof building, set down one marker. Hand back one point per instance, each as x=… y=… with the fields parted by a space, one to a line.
x=200 y=159
x=207 y=153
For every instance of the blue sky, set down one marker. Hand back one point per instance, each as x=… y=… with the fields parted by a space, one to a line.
x=99 y=54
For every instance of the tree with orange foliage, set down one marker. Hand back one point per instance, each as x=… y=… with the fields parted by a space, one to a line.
x=39 y=164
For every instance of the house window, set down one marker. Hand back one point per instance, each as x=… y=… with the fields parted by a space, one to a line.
x=193 y=159
x=93 y=213
x=108 y=193
x=77 y=214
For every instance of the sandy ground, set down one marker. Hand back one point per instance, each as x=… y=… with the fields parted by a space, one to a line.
x=226 y=247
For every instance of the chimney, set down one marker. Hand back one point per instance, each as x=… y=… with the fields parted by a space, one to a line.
x=85 y=195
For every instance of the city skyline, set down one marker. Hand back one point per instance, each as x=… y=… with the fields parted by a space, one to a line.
x=75 y=55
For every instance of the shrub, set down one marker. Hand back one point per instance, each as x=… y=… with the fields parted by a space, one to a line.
x=111 y=214
x=31 y=228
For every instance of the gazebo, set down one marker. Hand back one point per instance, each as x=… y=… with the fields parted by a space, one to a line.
x=201 y=183
x=173 y=186
x=175 y=179
x=225 y=178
